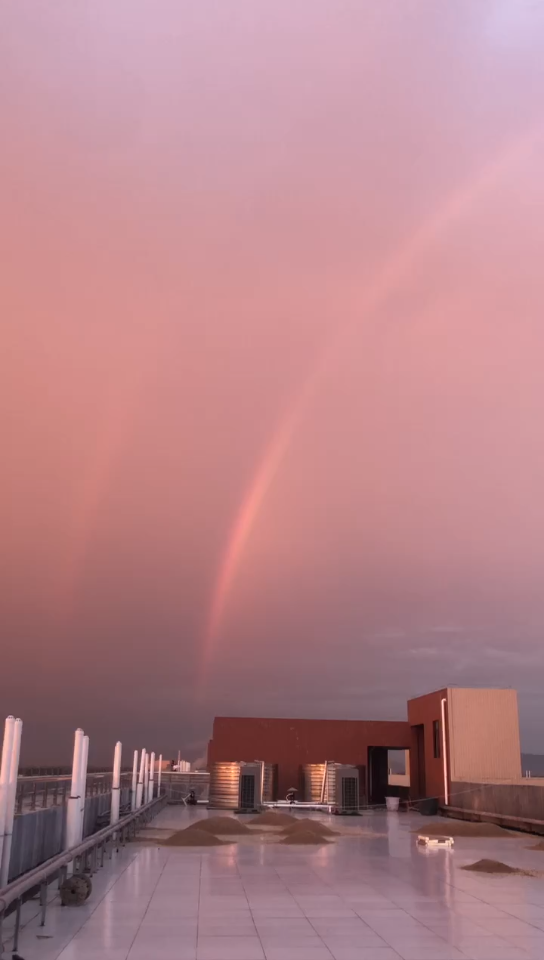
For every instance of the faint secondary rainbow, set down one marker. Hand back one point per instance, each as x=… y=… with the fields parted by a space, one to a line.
x=119 y=417
x=389 y=278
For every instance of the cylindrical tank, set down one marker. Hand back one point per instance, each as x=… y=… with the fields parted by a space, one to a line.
x=270 y=781
x=225 y=783
x=319 y=782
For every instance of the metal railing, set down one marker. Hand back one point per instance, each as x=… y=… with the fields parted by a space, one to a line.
x=38 y=793
x=87 y=857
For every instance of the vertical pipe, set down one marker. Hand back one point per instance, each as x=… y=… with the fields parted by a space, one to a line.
x=151 y=778
x=10 y=811
x=146 y=779
x=83 y=788
x=140 y=787
x=74 y=802
x=159 y=776
x=7 y=747
x=324 y=781
x=116 y=783
x=134 y=781
x=444 y=754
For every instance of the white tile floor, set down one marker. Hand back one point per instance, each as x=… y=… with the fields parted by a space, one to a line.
x=358 y=899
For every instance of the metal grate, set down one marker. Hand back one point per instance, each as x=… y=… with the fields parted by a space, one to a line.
x=350 y=793
x=247 y=791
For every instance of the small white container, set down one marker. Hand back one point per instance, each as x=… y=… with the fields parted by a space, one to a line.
x=392 y=804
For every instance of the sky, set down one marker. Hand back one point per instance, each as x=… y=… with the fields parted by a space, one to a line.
x=271 y=347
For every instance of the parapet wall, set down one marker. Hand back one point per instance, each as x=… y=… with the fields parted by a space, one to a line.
x=522 y=798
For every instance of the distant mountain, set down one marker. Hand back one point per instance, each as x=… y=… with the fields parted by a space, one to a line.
x=533 y=762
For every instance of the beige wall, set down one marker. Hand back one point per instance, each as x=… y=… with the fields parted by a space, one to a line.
x=483 y=728
x=401 y=779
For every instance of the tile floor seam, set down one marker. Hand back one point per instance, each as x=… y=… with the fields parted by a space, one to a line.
x=198 y=904
x=147 y=908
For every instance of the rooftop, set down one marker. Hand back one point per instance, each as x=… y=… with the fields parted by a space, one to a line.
x=377 y=897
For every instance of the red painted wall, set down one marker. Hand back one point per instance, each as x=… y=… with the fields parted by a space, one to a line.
x=424 y=710
x=291 y=743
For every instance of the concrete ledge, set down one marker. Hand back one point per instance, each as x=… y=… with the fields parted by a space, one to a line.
x=523 y=824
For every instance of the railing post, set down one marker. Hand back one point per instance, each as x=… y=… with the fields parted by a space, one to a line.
x=116 y=783
x=10 y=812
x=140 y=787
x=146 y=779
x=7 y=748
x=151 y=777
x=83 y=789
x=134 y=781
x=72 y=814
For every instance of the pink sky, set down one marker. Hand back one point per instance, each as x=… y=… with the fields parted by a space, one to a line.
x=198 y=200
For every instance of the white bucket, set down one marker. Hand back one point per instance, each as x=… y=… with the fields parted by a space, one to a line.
x=392 y=804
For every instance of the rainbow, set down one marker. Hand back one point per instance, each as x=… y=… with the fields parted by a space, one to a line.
x=395 y=271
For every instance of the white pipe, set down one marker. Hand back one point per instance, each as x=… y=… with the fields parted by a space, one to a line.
x=10 y=811
x=324 y=783
x=151 y=778
x=116 y=783
x=7 y=747
x=159 y=777
x=445 y=760
x=145 y=790
x=134 y=781
x=83 y=787
x=140 y=788
x=74 y=802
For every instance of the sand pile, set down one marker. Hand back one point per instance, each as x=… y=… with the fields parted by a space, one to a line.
x=461 y=828
x=272 y=819
x=220 y=826
x=305 y=825
x=193 y=838
x=303 y=838
x=495 y=866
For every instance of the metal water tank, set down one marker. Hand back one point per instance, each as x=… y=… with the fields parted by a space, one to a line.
x=224 y=785
x=270 y=781
x=319 y=782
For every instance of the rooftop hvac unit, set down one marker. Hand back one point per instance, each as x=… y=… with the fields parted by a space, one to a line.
x=238 y=785
x=347 y=781
x=333 y=784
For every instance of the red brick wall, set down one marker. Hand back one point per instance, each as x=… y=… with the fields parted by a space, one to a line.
x=424 y=710
x=291 y=743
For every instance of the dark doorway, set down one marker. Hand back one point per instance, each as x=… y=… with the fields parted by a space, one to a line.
x=420 y=786
x=378 y=771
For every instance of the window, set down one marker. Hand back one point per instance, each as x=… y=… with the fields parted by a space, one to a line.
x=436 y=738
